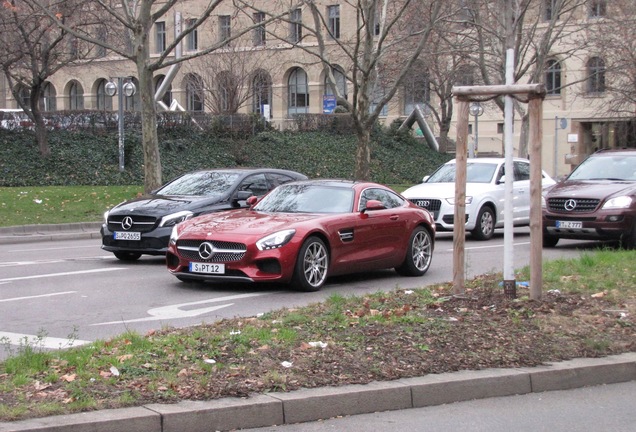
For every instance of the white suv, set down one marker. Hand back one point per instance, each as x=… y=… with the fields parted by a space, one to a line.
x=485 y=192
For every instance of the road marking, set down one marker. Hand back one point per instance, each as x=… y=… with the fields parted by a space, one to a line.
x=489 y=247
x=55 y=248
x=37 y=296
x=39 y=342
x=62 y=274
x=180 y=310
x=53 y=261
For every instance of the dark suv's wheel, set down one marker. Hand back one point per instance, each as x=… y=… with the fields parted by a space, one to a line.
x=127 y=256
x=628 y=241
x=419 y=254
x=312 y=265
x=485 y=228
x=549 y=240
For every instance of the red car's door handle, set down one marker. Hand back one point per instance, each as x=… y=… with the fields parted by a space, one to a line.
x=394 y=217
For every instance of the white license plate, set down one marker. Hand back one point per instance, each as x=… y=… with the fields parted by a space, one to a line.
x=207 y=268
x=569 y=224
x=127 y=235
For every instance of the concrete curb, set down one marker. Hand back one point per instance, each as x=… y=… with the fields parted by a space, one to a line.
x=49 y=232
x=322 y=403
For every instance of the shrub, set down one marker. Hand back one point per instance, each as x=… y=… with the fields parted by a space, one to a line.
x=82 y=157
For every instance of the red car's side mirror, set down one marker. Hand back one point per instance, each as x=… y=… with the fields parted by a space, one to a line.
x=373 y=205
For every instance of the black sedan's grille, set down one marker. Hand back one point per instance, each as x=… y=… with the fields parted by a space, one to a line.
x=139 y=223
x=572 y=205
x=432 y=205
x=223 y=251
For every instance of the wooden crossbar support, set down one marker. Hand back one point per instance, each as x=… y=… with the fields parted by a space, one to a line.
x=535 y=94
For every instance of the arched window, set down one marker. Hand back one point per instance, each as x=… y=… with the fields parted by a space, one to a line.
x=262 y=94
x=341 y=84
x=378 y=91
x=48 y=101
x=194 y=93
x=25 y=95
x=595 y=75
x=104 y=102
x=553 y=77
x=417 y=88
x=298 y=92
x=75 y=96
x=227 y=98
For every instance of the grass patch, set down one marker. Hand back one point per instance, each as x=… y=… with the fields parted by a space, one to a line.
x=60 y=204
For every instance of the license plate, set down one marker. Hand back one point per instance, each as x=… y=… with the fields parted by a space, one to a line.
x=569 y=224
x=207 y=268
x=127 y=235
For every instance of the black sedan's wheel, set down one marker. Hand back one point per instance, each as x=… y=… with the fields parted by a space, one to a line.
x=419 y=254
x=485 y=228
x=312 y=265
x=127 y=256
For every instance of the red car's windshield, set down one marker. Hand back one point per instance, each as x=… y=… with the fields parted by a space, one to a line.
x=307 y=198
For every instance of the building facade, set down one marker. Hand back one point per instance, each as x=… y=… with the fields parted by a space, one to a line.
x=267 y=70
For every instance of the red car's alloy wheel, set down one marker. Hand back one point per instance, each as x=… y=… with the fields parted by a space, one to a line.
x=312 y=265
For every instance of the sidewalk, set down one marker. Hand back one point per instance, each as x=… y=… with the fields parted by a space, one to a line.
x=34 y=233
x=322 y=403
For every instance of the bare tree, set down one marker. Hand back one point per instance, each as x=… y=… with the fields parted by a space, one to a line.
x=33 y=49
x=618 y=54
x=447 y=62
x=375 y=54
x=541 y=30
x=132 y=22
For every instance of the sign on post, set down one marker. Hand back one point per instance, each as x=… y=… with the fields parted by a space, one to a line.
x=328 y=104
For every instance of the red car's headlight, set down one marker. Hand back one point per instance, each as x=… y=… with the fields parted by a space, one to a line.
x=275 y=240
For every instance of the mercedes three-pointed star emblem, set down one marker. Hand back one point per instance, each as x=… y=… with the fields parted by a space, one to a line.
x=127 y=223
x=206 y=250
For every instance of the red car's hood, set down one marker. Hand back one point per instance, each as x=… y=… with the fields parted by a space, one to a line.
x=243 y=222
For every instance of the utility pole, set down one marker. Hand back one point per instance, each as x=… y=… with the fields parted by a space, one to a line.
x=510 y=287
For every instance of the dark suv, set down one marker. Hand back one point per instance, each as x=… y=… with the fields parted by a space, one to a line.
x=597 y=201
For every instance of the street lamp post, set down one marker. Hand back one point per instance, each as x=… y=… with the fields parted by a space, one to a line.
x=120 y=89
x=476 y=110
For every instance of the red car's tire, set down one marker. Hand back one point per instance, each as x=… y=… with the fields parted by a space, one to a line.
x=419 y=254
x=312 y=265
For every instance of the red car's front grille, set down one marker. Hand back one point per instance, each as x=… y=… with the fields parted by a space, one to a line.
x=224 y=251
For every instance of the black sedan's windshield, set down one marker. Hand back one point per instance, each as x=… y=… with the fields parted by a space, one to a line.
x=307 y=198
x=202 y=183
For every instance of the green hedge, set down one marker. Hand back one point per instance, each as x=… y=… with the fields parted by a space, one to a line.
x=92 y=157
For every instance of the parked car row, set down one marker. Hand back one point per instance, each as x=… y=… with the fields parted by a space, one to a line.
x=269 y=225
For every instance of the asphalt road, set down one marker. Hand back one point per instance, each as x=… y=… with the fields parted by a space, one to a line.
x=55 y=294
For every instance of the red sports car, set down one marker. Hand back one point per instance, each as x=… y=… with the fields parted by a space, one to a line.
x=303 y=232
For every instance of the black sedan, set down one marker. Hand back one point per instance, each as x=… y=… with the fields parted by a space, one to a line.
x=143 y=225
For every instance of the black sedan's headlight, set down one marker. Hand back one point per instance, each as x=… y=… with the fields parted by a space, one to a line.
x=175 y=218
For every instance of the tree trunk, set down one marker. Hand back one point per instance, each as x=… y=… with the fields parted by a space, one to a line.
x=363 y=154
x=523 y=136
x=41 y=134
x=149 y=137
